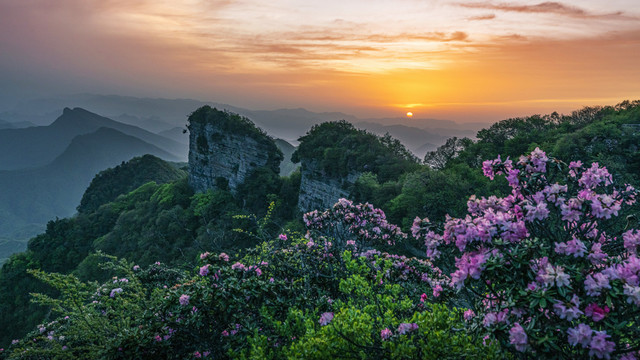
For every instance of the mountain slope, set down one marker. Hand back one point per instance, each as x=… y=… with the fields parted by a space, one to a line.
x=31 y=197
x=82 y=119
x=177 y=134
x=126 y=177
x=37 y=146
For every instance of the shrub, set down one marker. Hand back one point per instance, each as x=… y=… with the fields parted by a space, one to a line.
x=552 y=272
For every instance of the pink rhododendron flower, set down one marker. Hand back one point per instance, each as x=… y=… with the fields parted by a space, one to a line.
x=597 y=256
x=204 y=270
x=469 y=265
x=385 y=334
x=406 y=327
x=599 y=346
x=631 y=240
x=580 y=334
x=633 y=294
x=239 y=266
x=469 y=314
x=518 y=337
x=573 y=247
x=537 y=211
x=570 y=310
x=184 y=299
x=487 y=169
x=603 y=206
x=573 y=166
x=325 y=318
x=594 y=284
x=594 y=176
x=595 y=312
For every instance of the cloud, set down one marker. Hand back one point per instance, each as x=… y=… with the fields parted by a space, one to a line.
x=483 y=17
x=548 y=7
x=338 y=36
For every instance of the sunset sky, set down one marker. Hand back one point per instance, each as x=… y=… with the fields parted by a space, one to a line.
x=460 y=60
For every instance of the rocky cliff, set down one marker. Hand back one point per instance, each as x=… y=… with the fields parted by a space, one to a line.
x=319 y=191
x=225 y=149
x=334 y=155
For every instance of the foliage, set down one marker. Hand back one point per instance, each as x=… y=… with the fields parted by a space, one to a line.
x=124 y=178
x=273 y=303
x=553 y=274
x=604 y=134
x=439 y=158
x=225 y=120
x=339 y=148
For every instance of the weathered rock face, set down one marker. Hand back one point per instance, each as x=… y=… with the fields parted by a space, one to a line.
x=224 y=153
x=320 y=192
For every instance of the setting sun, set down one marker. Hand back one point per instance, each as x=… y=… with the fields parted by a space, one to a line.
x=409 y=114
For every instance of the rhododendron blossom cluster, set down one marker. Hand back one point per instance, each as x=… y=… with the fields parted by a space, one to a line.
x=548 y=279
x=361 y=223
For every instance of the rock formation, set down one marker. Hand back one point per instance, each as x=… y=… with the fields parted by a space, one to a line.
x=319 y=191
x=225 y=149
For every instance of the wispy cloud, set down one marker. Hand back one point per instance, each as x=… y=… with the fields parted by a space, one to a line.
x=328 y=35
x=549 y=7
x=483 y=17
x=342 y=52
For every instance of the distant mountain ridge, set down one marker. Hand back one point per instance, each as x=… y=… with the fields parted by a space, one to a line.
x=31 y=197
x=417 y=140
x=158 y=115
x=37 y=146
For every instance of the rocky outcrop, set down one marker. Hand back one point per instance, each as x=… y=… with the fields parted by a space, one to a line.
x=319 y=191
x=225 y=149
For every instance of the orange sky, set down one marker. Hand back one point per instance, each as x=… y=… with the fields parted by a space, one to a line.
x=460 y=60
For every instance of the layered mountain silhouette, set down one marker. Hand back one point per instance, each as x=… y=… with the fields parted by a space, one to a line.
x=32 y=193
x=159 y=115
x=417 y=140
x=177 y=134
x=37 y=146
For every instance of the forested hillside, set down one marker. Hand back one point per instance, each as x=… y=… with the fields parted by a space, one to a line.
x=210 y=277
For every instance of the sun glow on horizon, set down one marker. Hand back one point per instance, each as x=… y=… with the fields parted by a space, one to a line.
x=467 y=61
